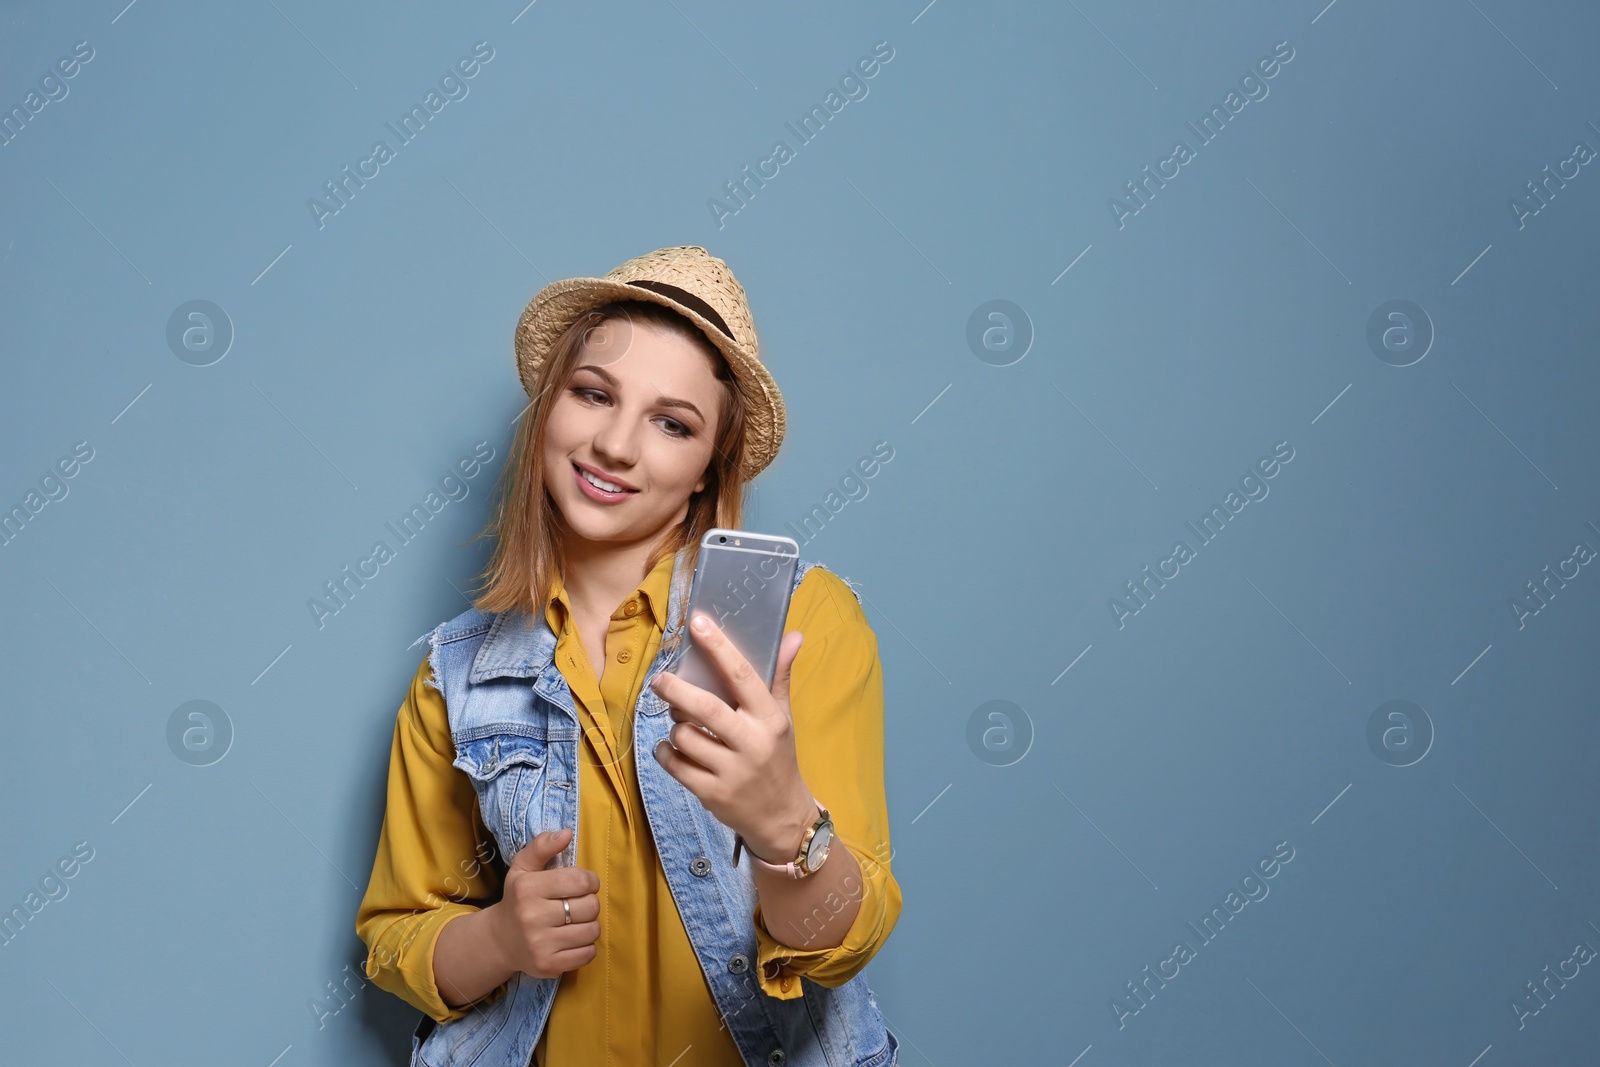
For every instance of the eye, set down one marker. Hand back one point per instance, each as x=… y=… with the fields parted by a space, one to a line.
x=673 y=427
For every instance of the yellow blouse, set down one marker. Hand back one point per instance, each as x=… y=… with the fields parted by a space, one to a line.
x=643 y=998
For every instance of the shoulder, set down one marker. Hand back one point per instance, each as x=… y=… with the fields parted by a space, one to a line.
x=469 y=623
x=453 y=642
x=824 y=601
x=425 y=712
x=451 y=647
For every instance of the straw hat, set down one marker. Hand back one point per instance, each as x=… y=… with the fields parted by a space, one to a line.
x=697 y=285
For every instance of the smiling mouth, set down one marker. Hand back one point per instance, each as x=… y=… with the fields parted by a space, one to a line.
x=591 y=488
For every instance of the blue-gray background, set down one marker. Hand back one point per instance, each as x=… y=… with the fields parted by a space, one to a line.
x=1229 y=314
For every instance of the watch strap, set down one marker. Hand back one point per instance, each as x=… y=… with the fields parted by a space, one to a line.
x=792 y=869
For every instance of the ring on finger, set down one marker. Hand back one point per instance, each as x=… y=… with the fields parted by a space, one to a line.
x=566 y=907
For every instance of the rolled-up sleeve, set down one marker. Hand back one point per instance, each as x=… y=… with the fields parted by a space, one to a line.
x=836 y=698
x=435 y=862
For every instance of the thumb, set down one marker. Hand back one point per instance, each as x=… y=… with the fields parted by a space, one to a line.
x=787 y=653
x=540 y=850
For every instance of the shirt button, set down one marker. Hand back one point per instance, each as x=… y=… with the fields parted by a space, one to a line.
x=784 y=985
x=776 y=1058
x=739 y=964
x=631 y=608
x=625 y=655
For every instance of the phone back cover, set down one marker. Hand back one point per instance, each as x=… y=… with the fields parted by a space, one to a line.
x=747 y=593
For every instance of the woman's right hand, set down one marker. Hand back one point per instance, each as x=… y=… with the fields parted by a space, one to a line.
x=531 y=931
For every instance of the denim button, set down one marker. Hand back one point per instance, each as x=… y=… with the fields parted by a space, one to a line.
x=700 y=866
x=777 y=1058
x=739 y=963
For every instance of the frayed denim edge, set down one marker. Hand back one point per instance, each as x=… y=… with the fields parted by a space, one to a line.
x=432 y=637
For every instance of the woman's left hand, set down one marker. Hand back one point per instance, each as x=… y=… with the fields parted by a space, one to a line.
x=747 y=775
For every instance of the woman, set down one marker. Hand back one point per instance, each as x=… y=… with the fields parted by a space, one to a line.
x=558 y=879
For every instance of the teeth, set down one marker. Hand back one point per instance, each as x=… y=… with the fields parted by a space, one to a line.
x=607 y=486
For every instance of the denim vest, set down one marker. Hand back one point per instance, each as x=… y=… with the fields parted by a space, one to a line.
x=516 y=736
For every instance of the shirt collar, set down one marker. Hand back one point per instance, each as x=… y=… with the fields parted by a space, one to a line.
x=517 y=646
x=653 y=591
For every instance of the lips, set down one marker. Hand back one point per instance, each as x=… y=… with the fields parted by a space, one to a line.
x=594 y=492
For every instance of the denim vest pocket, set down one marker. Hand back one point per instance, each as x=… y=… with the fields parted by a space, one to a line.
x=506 y=769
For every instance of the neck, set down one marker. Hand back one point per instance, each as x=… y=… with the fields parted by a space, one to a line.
x=600 y=575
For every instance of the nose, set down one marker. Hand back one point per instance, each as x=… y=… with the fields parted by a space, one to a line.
x=616 y=442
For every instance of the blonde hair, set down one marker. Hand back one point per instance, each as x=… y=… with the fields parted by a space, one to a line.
x=526 y=528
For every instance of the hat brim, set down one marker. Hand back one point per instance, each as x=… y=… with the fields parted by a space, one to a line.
x=555 y=307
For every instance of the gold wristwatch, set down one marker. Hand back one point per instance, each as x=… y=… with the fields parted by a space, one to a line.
x=814 y=848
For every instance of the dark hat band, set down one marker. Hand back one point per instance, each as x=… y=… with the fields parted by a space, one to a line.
x=690 y=301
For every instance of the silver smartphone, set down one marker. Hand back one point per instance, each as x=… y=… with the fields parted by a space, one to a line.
x=742 y=580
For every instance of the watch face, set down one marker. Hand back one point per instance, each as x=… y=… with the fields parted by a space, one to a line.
x=817 y=851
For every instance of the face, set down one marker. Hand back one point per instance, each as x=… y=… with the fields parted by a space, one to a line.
x=640 y=414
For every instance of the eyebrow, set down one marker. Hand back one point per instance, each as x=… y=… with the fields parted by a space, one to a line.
x=661 y=401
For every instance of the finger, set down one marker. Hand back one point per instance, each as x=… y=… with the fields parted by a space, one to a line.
x=552 y=917
x=749 y=692
x=573 y=959
x=536 y=853
x=691 y=703
x=569 y=882
x=584 y=909
x=694 y=777
x=567 y=938
x=728 y=718
x=787 y=653
x=693 y=741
